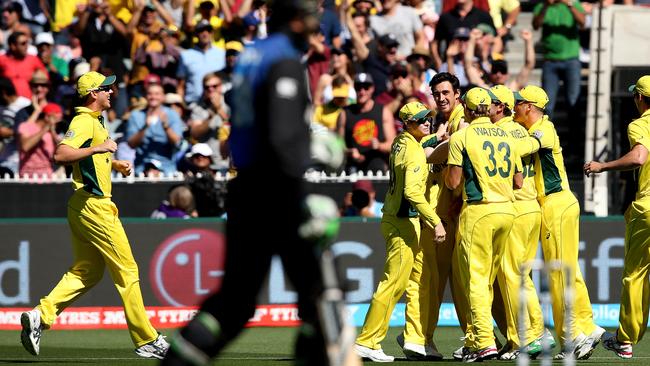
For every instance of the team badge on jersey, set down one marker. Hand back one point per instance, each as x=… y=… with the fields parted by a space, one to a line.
x=69 y=134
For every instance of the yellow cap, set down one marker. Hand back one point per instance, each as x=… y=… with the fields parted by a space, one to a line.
x=504 y=95
x=642 y=86
x=234 y=46
x=92 y=80
x=532 y=94
x=476 y=97
x=341 y=91
x=413 y=111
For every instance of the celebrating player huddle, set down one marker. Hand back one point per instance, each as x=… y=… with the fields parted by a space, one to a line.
x=502 y=188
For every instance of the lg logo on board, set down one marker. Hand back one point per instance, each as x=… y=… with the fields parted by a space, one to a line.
x=188 y=266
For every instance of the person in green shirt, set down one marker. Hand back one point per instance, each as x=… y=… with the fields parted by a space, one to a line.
x=560 y=21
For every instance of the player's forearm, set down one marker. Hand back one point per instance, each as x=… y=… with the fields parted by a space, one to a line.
x=65 y=155
x=629 y=161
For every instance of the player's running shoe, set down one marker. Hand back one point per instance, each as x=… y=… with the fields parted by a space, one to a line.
x=30 y=336
x=486 y=353
x=579 y=345
x=155 y=349
x=622 y=350
x=584 y=349
x=412 y=351
x=375 y=355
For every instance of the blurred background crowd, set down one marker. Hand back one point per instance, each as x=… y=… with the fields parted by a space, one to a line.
x=174 y=59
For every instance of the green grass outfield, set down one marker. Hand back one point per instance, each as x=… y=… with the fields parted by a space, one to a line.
x=256 y=346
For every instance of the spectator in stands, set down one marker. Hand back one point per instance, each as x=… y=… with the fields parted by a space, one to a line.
x=199 y=160
x=102 y=37
x=330 y=26
x=318 y=59
x=359 y=24
x=403 y=22
x=465 y=15
x=378 y=65
x=455 y=56
x=12 y=13
x=510 y=8
x=422 y=57
x=426 y=10
x=560 y=21
x=57 y=67
x=340 y=66
x=209 y=116
x=216 y=13
x=178 y=205
x=12 y=114
x=400 y=90
x=198 y=61
x=327 y=114
x=498 y=74
x=37 y=138
x=17 y=65
x=233 y=49
x=367 y=128
x=154 y=132
x=251 y=29
x=361 y=201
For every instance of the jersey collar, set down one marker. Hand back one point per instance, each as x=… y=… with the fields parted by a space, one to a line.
x=89 y=111
x=481 y=120
x=539 y=122
x=646 y=113
x=503 y=121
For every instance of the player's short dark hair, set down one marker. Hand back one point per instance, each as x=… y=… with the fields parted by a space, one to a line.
x=445 y=76
x=481 y=111
x=645 y=99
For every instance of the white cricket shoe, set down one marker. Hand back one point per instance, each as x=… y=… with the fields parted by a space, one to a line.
x=412 y=351
x=155 y=349
x=480 y=355
x=458 y=354
x=374 y=355
x=590 y=344
x=30 y=336
x=622 y=350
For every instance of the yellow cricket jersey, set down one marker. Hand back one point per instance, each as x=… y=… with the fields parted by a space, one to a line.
x=526 y=146
x=446 y=196
x=489 y=159
x=434 y=176
x=550 y=175
x=638 y=132
x=455 y=118
x=93 y=173
x=408 y=176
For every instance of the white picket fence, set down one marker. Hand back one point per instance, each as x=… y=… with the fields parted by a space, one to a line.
x=311 y=176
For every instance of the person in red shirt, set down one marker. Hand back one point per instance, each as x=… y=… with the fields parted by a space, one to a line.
x=18 y=66
x=38 y=139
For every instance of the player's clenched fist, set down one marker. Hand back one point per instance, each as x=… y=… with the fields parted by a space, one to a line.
x=593 y=167
x=106 y=146
x=123 y=167
x=440 y=233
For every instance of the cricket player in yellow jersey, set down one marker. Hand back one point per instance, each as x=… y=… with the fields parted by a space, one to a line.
x=524 y=237
x=487 y=158
x=98 y=238
x=560 y=224
x=404 y=207
x=633 y=317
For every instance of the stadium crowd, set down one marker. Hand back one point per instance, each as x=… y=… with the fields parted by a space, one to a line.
x=174 y=58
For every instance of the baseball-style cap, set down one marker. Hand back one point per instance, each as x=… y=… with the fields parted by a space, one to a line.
x=203 y=25
x=476 y=97
x=44 y=38
x=486 y=29
x=363 y=185
x=341 y=91
x=363 y=78
x=200 y=149
x=92 y=80
x=417 y=52
x=503 y=94
x=52 y=108
x=388 y=40
x=532 y=94
x=642 y=86
x=39 y=77
x=413 y=111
